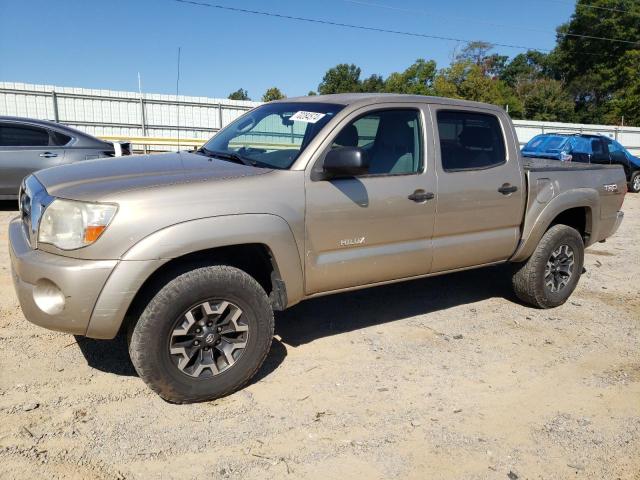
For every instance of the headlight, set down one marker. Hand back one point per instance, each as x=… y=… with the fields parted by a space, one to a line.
x=68 y=224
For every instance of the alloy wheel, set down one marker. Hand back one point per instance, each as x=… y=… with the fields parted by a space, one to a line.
x=208 y=339
x=559 y=268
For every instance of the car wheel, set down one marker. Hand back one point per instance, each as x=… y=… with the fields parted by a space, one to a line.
x=203 y=335
x=634 y=184
x=551 y=274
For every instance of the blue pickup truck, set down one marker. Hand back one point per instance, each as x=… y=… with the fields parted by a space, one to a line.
x=567 y=147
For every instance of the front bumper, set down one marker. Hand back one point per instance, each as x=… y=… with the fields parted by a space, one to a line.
x=73 y=284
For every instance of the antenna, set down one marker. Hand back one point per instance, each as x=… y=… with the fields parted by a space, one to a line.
x=177 y=94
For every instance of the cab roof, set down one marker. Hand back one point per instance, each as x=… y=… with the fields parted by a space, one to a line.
x=373 y=98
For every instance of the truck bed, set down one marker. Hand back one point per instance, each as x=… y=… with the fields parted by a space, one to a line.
x=553 y=186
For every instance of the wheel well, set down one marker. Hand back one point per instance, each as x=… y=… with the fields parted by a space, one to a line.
x=254 y=258
x=578 y=218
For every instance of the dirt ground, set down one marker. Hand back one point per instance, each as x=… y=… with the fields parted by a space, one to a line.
x=446 y=377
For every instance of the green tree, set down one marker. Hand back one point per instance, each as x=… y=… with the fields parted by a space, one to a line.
x=342 y=78
x=545 y=99
x=478 y=53
x=530 y=66
x=475 y=52
x=417 y=79
x=494 y=65
x=467 y=80
x=273 y=93
x=374 y=83
x=311 y=93
x=625 y=102
x=240 y=94
x=595 y=70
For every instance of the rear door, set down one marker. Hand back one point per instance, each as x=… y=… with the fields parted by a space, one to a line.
x=481 y=196
x=25 y=148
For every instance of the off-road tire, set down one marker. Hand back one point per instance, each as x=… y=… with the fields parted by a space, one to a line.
x=634 y=185
x=150 y=336
x=529 y=278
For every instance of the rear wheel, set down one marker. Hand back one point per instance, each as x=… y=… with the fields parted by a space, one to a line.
x=203 y=335
x=634 y=184
x=551 y=274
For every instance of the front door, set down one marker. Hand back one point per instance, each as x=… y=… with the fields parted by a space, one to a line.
x=481 y=195
x=366 y=229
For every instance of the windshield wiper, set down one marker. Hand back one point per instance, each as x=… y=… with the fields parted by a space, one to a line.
x=233 y=157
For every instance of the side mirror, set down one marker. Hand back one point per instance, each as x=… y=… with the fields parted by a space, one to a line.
x=346 y=162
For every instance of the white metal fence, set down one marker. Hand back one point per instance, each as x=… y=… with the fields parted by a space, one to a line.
x=129 y=115
x=121 y=114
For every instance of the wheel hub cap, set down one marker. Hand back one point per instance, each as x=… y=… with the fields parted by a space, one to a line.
x=208 y=339
x=559 y=268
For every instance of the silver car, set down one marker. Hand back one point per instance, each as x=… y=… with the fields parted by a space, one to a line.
x=27 y=145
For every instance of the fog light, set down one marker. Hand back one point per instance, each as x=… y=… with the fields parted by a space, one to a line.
x=48 y=297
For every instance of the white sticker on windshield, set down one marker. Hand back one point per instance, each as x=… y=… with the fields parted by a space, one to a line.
x=307 y=117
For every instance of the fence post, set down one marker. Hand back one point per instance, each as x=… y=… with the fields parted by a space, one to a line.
x=219 y=116
x=143 y=122
x=54 y=100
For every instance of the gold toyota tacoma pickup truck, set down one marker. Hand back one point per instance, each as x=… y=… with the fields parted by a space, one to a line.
x=190 y=252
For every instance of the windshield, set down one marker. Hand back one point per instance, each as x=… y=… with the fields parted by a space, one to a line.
x=272 y=135
x=546 y=143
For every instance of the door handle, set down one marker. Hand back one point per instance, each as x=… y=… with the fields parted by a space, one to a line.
x=507 y=189
x=420 y=196
x=48 y=155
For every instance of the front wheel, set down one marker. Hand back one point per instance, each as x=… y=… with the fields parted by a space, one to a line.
x=551 y=274
x=203 y=335
x=634 y=184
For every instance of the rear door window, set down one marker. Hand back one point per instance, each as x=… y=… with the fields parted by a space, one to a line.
x=470 y=141
x=23 y=136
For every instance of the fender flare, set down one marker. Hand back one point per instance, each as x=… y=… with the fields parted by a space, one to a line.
x=535 y=227
x=153 y=251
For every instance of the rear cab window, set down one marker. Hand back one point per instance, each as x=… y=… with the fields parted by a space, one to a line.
x=470 y=140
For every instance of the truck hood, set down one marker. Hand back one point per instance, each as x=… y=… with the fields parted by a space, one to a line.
x=97 y=179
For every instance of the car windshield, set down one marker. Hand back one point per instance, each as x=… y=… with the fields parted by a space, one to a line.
x=546 y=143
x=272 y=135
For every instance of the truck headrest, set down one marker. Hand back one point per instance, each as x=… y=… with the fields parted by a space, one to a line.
x=476 y=137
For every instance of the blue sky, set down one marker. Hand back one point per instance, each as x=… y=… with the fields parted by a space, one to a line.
x=99 y=44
